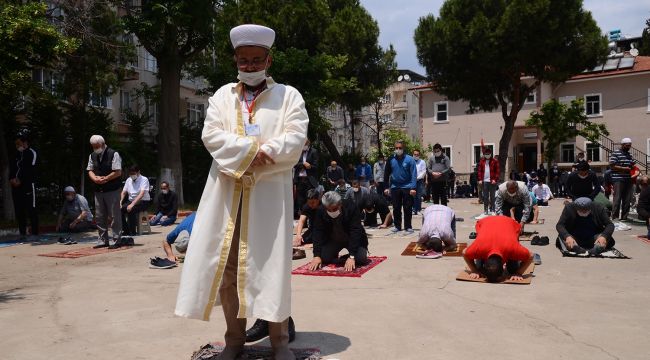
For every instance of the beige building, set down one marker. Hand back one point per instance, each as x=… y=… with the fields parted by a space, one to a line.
x=616 y=94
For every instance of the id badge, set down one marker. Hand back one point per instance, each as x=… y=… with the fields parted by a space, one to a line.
x=253 y=130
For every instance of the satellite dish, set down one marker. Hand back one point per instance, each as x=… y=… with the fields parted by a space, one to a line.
x=634 y=52
x=407 y=77
x=399 y=78
x=612 y=53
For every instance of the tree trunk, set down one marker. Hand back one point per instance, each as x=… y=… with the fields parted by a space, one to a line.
x=7 y=204
x=169 y=146
x=329 y=144
x=504 y=143
x=352 y=131
x=378 y=134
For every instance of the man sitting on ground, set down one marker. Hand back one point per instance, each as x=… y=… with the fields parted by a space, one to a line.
x=643 y=205
x=337 y=227
x=166 y=206
x=75 y=215
x=514 y=194
x=307 y=218
x=585 y=227
x=583 y=182
x=542 y=193
x=438 y=233
x=496 y=244
x=377 y=204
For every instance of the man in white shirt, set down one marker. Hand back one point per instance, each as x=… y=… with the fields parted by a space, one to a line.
x=421 y=168
x=135 y=198
x=438 y=231
x=378 y=171
x=542 y=193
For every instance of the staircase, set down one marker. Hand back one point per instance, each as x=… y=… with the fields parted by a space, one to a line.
x=640 y=158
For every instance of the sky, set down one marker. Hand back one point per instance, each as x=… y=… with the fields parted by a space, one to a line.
x=397 y=21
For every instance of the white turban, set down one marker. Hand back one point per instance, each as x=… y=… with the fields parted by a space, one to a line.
x=626 y=141
x=252 y=35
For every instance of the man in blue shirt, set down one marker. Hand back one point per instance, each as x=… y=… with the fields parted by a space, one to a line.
x=401 y=175
x=363 y=173
x=181 y=233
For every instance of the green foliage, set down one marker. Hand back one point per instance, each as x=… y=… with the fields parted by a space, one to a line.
x=393 y=135
x=196 y=162
x=644 y=49
x=559 y=123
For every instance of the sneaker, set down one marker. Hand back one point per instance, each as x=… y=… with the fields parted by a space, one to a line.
x=543 y=241
x=535 y=240
x=537 y=259
x=596 y=251
x=127 y=241
x=473 y=235
x=429 y=254
x=408 y=232
x=258 y=331
x=162 y=264
x=69 y=241
x=395 y=230
x=101 y=244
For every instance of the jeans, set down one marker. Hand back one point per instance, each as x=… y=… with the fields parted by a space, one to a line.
x=418 y=197
x=402 y=200
x=156 y=220
x=623 y=192
x=489 y=192
x=439 y=192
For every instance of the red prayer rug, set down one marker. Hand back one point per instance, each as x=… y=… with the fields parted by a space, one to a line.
x=87 y=251
x=338 y=269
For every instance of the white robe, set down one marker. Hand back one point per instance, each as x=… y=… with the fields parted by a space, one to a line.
x=266 y=195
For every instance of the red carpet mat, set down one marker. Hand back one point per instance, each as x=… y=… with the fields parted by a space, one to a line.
x=338 y=270
x=644 y=239
x=87 y=251
x=211 y=351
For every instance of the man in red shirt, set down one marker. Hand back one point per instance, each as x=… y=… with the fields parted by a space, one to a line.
x=488 y=176
x=496 y=244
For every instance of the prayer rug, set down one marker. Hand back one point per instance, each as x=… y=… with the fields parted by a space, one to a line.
x=414 y=248
x=338 y=269
x=527 y=277
x=527 y=235
x=211 y=351
x=87 y=251
x=643 y=238
x=612 y=253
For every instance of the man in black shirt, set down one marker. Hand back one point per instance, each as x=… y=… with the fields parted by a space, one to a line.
x=585 y=227
x=307 y=216
x=166 y=206
x=583 y=182
x=22 y=178
x=377 y=204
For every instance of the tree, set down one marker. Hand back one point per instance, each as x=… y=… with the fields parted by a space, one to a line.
x=174 y=32
x=479 y=50
x=559 y=123
x=29 y=41
x=644 y=49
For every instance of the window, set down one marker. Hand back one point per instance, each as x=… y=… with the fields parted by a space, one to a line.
x=476 y=154
x=414 y=98
x=447 y=150
x=150 y=63
x=567 y=153
x=592 y=151
x=593 y=105
x=440 y=112
x=566 y=99
x=128 y=40
x=386 y=99
x=531 y=98
x=412 y=118
x=151 y=111
x=195 y=114
x=404 y=119
x=404 y=98
x=125 y=101
x=101 y=99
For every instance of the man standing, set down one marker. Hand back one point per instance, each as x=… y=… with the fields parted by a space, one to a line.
x=240 y=253
x=22 y=178
x=622 y=163
x=421 y=167
x=334 y=174
x=438 y=166
x=363 y=172
x=378 y=172
x=488 y=175
x=555 y=180
x=305 y=175
x=166 y=206
x=75 y=215
x=401 y=175
x=514 y=195
x=542 y=173
x=135 y=197
x=105 y=169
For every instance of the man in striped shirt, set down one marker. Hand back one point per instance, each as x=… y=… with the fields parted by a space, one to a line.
x=438 y=231
x=621 y=163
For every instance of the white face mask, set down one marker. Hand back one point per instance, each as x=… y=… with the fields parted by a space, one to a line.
x=134 y=177
x=488 y=156
x=334 y=214
x=437 y=153
x=511 y=194
x=583 y=213
x=252 y=78
x=381 y=162
x=370 y=211
x=416 y=157
x=99 y=151
x=355 y=189
x=165 y=191
x=583 y=177
x=399 y=152
x=20 y=148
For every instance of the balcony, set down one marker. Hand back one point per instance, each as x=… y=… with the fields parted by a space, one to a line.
x=400 y=106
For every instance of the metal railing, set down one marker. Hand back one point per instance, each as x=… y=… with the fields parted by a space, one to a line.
x=610 y=145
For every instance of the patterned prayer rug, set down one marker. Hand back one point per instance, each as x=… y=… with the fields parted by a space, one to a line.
x=414 y=248
x=338 y=269
x=87 y=251
x=211 y=351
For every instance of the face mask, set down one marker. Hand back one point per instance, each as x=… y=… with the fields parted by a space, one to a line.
x=488 y=156
x=252 y=78
x=305 y=148
x=370 y=211
x=98 y=151
x=582 y=213
x=416 y=157
x=20 y=148
x=399 y=152
x=437 y=153
x=583 y=177
x=134 y=177
x=334 y=214
x=363 y=162
x=512 y=194
x=165 y=191
x=381 y=162
x=355 y=189
x=69 y=197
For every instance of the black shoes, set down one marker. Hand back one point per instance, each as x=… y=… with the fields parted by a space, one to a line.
x=472 y=235
x=260 y=330
x=541 y=241
x=159 y=263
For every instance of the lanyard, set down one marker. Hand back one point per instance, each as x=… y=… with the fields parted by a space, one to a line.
x=252 y=104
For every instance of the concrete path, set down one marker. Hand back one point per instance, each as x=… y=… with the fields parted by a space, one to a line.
x=113 y=306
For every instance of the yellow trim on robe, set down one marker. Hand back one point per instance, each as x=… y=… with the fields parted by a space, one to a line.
x=225 y=250
x=249 y=182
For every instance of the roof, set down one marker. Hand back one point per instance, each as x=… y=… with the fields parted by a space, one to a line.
x=641 y=65
x=423 y=87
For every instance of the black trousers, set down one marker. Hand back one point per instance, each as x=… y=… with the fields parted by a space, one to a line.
x=330 y=253
x=130 y=219
x=302 y=186
x=439 y=192
x=519 y=212
x=402 y=200
x=24 y=198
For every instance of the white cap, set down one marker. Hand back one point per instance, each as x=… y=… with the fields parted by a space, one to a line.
x=68 y=189
x=252 y=35
x=626 y=141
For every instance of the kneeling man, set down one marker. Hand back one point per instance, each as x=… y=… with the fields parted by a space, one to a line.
x=438 y=232
x=496 y=245
x=337 y=227
x=585 y=227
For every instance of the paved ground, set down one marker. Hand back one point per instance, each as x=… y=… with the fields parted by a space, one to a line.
x=112 y=306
